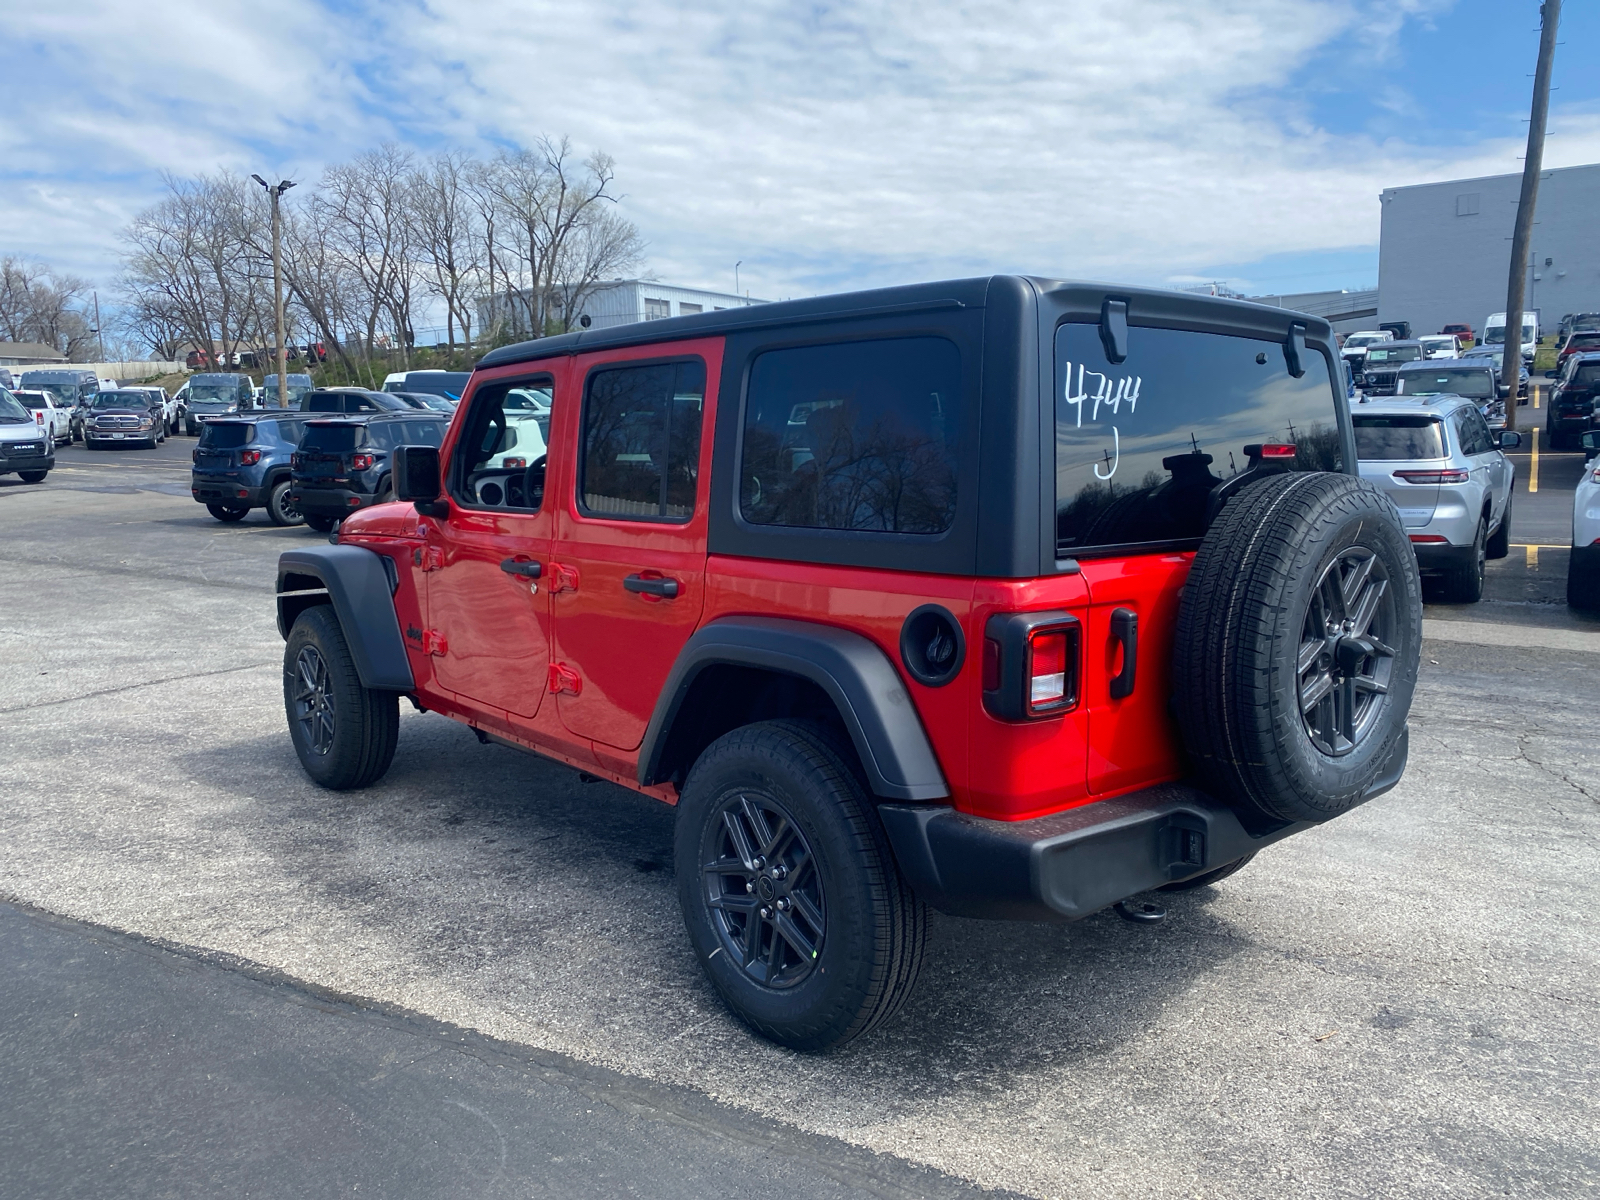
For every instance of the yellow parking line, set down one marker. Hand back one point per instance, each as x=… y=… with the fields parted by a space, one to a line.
x=1533 y=558
x=1533 y=468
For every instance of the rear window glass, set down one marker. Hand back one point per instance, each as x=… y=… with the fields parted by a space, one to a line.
x=1393 y=354
x=1587 y=373
x=1385 y=439
x=312 y=402
x=334 y=438
x=226 y=437
x=1477 y=383
x=1141 y=443
x=407 y=433
x=857 y=435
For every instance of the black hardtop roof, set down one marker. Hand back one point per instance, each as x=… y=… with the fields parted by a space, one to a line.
x=1084 y=297
x=408 y=414
x=260 y=414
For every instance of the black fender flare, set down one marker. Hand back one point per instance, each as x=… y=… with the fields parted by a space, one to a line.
x=359 y=585
x=871 y=698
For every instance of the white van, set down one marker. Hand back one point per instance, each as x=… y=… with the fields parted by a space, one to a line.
x=1494 y=331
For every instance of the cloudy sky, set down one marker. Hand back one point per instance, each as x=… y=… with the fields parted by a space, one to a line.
x=826 y=145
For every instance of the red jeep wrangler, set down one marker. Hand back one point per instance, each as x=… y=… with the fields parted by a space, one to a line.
x=1008 y=596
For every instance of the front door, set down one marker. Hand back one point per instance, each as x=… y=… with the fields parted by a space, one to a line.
x=631 y=548
x=485 y=565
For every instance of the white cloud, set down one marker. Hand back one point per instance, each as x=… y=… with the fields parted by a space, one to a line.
x=825 y=145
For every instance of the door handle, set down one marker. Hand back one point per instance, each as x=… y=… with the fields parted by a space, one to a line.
x=528 y=570
x=666 y=588
x=1125 y=629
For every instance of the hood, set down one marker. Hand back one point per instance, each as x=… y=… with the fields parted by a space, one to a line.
x=21 y=432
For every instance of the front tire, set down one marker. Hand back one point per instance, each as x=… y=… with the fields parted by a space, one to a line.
x=789 y=892
x=1464 y=584
x=32 y=476
x=322 y=524
x=1500 y=543
x=1583 y=580
x=343 y=733
x=227 y=513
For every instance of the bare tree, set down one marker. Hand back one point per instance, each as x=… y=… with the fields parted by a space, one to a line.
x=39 y=305
x=442 y=213
x=362 y=209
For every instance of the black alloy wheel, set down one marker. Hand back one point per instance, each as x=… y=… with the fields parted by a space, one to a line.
x=1346 y=653
x=763 y=889
x=312 y=699
x=282 y=509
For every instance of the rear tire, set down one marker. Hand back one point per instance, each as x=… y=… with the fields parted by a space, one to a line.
x=343 y=733
x=1583 y=581
x=280 y=509
x=810 y=959
x=1298 y=638
x=1500 y=543
x=319 y=522
x=227 y=513
x=1464 y=584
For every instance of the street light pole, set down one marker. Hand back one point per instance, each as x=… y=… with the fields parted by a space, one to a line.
x=277 y=286
x=736 y=267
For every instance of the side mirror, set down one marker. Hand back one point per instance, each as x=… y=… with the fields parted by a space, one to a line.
x=417 y=479
x=1510 y=439
x=1551 y=374
x=1505 y=391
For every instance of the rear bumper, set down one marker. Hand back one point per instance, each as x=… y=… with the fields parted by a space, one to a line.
x=329 y=501
x=212 y=490
x=1435 y=556
x=1069 y=865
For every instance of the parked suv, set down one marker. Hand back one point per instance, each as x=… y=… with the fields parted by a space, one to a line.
x=242 y=463
x=1450 y=481
x=343 y=463
x=1473 y=379
x=1573 y=402
x=24 y=447
x=876 y=592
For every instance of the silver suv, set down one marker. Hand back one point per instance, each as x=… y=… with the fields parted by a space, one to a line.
x=1437 y=459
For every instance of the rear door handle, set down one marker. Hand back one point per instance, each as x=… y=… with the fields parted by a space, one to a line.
x=1125 y=628
x=528 y=570
x=666 y=588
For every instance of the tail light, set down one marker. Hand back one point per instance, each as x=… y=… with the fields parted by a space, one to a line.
x=360 y=462
x=38 y=417
x=1453 y=475
x=1030 y=664
x=1429 y=539
x=1279 y=450
x=514 y=462
x=249 y=458
x=294 y=461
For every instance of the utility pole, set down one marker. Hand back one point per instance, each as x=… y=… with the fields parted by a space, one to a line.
x=99 y=338
x=277 y=285
x=1511 y=354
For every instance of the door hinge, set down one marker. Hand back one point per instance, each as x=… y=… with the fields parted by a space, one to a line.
x=429 y=558
x=563 y=578
x=564 y=679
x=433 y=642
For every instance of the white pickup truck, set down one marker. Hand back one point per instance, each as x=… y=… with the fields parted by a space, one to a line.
x=51 y=417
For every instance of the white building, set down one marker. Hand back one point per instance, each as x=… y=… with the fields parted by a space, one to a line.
x=619 y=302
x=1445 y=249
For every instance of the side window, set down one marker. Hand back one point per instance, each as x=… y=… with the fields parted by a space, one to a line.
x=1478 y=439
x=855 y=435
x=641 y=441
x=499 y=460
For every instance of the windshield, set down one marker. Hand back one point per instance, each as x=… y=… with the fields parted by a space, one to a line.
x=1476 y=384
x=120 y=400
x=32 y=399
x=1391 y=439
x=1393 y=354
x=1140 y=444
x=1495 y=335
x=11 y=411
x=227 y=392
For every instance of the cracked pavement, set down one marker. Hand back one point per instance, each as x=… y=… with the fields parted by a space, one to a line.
x=1402 y=1002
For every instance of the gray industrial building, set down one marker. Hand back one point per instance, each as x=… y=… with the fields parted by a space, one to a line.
x=1445 y=249
x=1346 y=311
x=616 y=302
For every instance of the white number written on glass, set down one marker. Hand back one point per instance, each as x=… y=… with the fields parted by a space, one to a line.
x=1107 y=392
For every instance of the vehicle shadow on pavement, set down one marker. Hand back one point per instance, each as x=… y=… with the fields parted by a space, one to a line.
x=481 y=870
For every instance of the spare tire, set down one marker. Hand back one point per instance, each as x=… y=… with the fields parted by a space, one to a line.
x=1297 y=646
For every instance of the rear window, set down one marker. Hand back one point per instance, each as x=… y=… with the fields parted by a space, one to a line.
x=226 y=437
x=1477 y=384
x=312 y=402
x=407 y=433
x=857 y=436
x=1141 y=443
x=334 y=438
x=1393 y=354
x=1386 y=439
x=1587 y=373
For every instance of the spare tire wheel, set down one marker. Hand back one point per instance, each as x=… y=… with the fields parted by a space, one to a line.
x=1297 y=646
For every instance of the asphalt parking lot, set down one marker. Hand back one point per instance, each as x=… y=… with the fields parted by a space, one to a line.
x=1402 y=1003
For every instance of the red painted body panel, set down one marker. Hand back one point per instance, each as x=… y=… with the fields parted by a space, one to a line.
x=1133 y=742
x=622 y=644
